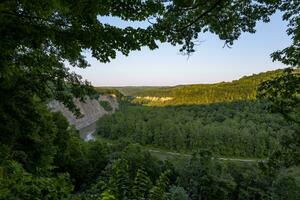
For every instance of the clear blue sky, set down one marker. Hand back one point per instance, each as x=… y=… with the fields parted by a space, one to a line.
x=211 y=63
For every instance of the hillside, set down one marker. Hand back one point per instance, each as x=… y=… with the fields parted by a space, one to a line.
x=241 y=127
x=242 y=89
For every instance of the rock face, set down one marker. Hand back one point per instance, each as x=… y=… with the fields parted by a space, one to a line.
x=91 y=110
x=150 y=98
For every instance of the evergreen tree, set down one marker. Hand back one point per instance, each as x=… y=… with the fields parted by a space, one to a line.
x=107 y=195
x=178 y=193
x=119 y=180
x=141 y=185
x=17 y=184
x=159 y=191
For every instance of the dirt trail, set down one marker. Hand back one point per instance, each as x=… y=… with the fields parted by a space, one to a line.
x=169 y=153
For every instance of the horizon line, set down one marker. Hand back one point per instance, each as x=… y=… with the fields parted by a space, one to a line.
x=188 y=84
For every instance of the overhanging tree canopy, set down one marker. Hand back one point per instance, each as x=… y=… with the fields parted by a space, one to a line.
x=39 y=37
x=184 y=21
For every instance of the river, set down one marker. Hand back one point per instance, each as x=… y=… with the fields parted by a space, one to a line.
x=87 y=133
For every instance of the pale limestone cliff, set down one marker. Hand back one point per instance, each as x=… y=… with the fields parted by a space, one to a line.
x=91 y=110
x=153 y=98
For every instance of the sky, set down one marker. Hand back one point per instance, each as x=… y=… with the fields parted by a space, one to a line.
x=210 y=63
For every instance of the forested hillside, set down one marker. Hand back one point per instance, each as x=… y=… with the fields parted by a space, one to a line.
x=225 y=118
x=242 y=89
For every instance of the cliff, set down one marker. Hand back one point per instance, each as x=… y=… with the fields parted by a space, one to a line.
x=91 y=110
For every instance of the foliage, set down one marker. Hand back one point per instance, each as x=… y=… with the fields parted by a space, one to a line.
x=17 y=184
x=242 y=89
x=287 y=184
x=184 y=21
x=119 y=179
x=203 y=178
x=41 y=156
x=25 y=136
x=106 y=195
x=106 y=105
x=110 y=91
x=178 y=193
x=39 y=36
x=238 y=129
x=39 y=40
x=283 y=91
x=158 y=192
x=142 y=185
x=283 y=95
x=290 y=55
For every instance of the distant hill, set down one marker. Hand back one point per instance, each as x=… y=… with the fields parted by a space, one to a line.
x=242 y=89
x=109 y=91
x=132 y=90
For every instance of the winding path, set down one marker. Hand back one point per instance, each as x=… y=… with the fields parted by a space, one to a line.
x=169 y=153
x=88 y=136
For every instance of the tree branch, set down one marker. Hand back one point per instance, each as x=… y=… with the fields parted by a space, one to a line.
x=202 y=15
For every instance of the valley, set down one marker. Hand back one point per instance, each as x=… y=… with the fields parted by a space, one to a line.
x=239 y=126
x=182 y=136
x=127 y=100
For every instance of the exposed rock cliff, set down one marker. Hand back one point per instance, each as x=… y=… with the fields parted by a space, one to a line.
x=91 y=110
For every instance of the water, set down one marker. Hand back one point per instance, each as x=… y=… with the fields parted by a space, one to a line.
x=87 y=133
x=89 y=137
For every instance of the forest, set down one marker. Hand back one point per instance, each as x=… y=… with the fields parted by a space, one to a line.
x=42 y=156
x=237 y=129
x=244 y=88
x=251 y=82
x=124 y=170
x=239 y=126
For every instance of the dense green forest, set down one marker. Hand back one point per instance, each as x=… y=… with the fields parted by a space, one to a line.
x=242 y=89
x=113 y=91
x=236 y=129
x=56 y=164
x=97 y=170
